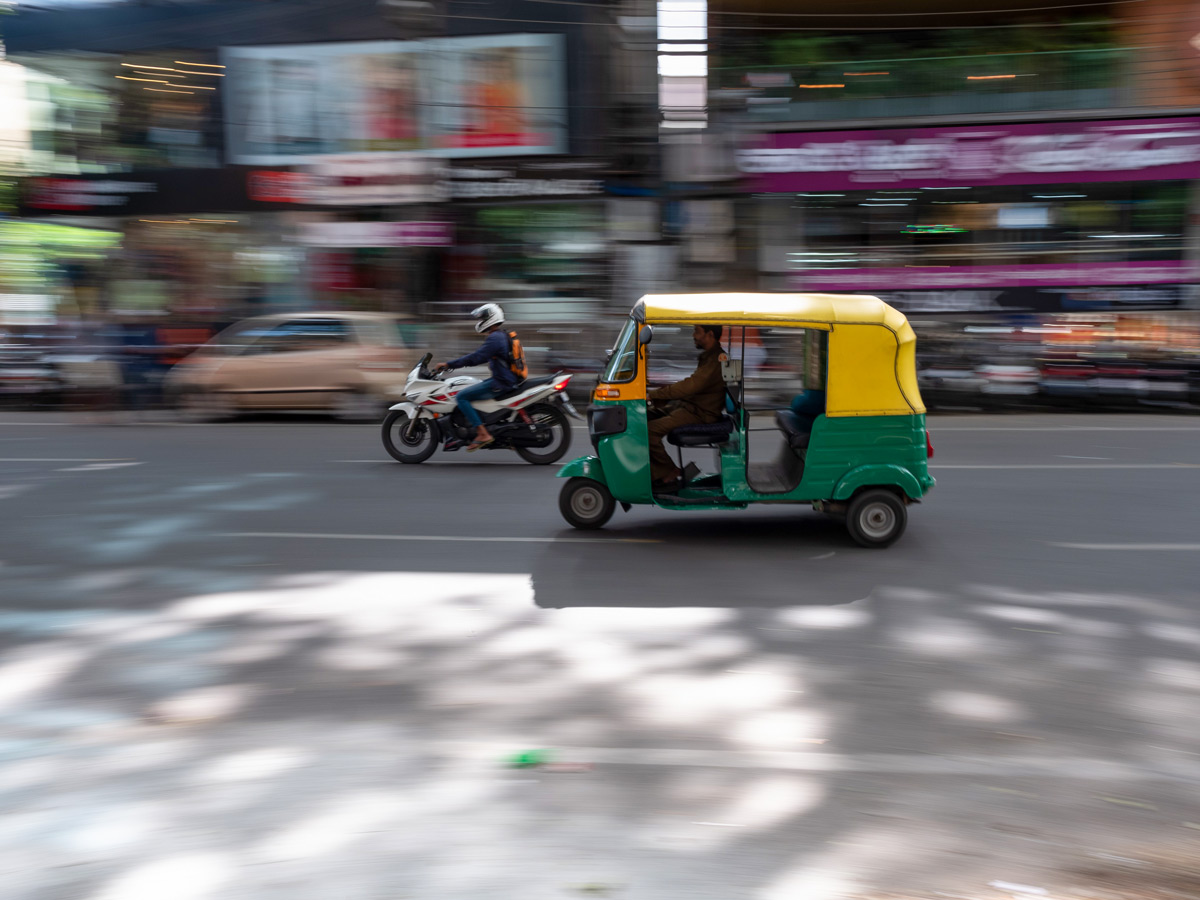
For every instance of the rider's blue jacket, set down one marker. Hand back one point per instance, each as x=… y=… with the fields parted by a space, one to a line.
x=493 y=351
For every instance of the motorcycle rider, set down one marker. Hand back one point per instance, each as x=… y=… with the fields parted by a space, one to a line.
x=495 y=352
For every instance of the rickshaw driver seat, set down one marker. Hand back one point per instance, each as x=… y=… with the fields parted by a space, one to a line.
x=707 y=434
x=712 y=434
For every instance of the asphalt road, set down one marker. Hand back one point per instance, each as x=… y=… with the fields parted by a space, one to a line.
x=262 y=660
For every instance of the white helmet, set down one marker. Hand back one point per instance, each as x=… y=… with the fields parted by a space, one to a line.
x=488 y=315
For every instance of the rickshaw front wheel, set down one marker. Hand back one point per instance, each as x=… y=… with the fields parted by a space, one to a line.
x=585 y=503
x=876 y=518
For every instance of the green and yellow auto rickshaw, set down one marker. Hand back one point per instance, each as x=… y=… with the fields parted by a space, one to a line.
x=852 y=442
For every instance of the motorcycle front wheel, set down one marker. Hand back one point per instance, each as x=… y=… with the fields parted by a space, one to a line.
x=551 y=417
x=408 y=448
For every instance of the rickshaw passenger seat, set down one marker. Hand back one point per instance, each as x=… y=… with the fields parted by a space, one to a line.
x=797 y=429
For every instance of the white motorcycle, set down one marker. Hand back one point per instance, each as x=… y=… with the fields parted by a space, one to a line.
x=528 y=418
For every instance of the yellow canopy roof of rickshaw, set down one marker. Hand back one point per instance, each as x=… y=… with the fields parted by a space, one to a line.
x=768 y=310
x=872 y=363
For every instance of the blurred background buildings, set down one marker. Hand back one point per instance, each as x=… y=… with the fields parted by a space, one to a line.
x=1022 y=180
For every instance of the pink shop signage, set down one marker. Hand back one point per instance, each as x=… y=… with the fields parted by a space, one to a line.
x=1043 y=153
x=932 y=277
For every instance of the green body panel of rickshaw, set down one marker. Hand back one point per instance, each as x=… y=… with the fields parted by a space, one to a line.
x=844 y=455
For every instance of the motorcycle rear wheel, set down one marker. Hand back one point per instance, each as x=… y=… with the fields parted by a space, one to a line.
x=415 y=448
x=545 y=415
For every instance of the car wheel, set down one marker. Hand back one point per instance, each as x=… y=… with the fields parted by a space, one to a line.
x=198 y=405
x=356 y=406
x=586 y=504
x=876 y=518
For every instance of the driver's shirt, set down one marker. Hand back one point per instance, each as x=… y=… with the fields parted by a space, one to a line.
x=702 y=392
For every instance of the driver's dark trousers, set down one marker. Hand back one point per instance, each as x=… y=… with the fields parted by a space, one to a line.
x=662 y=466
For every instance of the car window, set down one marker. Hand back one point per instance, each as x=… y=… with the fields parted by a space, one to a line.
x=244 y=338
x=305 y=334
x=381 y=332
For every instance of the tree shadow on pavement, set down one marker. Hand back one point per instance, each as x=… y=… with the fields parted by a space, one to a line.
x=342 y=734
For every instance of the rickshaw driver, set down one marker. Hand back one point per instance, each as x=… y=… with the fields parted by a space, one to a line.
x=701 y=399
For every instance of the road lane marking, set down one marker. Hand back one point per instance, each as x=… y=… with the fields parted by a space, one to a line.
x=448 y=538
x=1186 y=548
x=1072 y=466
x=1063 y=429
x=98 y=467
x=121 y=459
x=1059 y=767
x=978 y=466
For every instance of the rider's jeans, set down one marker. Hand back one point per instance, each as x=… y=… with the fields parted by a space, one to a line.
x=485 y=390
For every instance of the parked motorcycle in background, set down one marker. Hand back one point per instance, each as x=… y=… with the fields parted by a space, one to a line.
x=530 y=418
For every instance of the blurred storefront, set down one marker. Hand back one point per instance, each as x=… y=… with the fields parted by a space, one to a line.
x=1059 y=216
x=116 y=112
x=1004 y=159
x=51 y=272
x=1096 y=360
x=532 y=235
x=190 y=241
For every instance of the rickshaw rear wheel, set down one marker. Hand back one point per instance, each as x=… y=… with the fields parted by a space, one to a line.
x=876 y=518
x=585 y=503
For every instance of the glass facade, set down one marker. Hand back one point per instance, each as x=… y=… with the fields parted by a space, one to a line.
x=1081 y=225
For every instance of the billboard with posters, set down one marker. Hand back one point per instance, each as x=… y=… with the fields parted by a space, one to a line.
x=477 y=96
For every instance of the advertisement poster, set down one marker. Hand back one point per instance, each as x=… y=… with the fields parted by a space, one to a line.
x=500 y=95
x=497 y=95
x=388 y=101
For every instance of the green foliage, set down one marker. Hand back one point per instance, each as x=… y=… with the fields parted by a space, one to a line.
x=8 y=196
x=809 y=49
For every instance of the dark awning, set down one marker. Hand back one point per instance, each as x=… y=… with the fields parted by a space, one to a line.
x=207 y=24
x=132 y=27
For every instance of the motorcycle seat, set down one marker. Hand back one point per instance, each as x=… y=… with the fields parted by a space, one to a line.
x=524 y=386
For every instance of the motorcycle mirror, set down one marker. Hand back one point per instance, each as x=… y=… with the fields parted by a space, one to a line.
x=645 y=334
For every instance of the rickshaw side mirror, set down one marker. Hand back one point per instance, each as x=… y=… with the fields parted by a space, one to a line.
x=645 y=335
x=608 y=353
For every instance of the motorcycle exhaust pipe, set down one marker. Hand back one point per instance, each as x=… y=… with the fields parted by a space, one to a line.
x=519 y=434
x=568 y=406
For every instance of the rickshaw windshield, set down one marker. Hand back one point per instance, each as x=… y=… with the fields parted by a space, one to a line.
x=622 y=365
